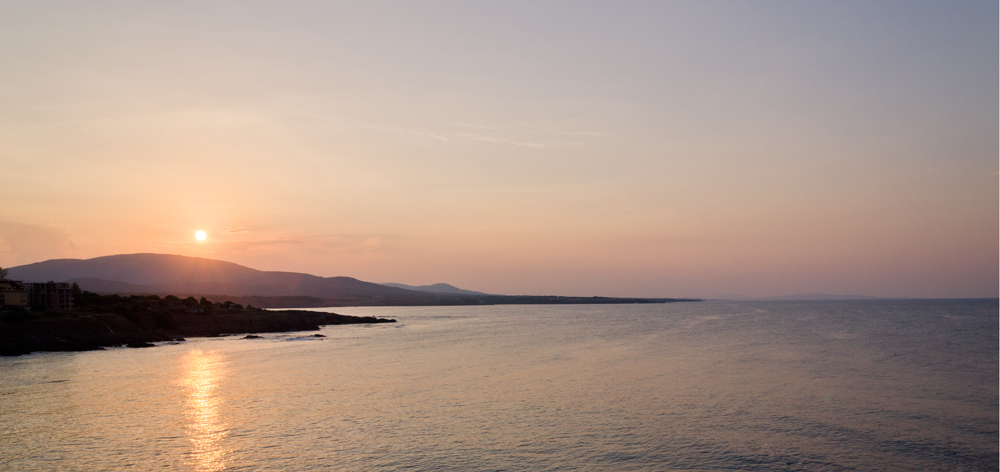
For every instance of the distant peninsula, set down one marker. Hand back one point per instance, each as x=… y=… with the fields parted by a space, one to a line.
x=98 y=321
x=138 y=299
x=162 y=274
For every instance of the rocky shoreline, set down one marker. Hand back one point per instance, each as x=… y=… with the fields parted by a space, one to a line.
x=27 y=332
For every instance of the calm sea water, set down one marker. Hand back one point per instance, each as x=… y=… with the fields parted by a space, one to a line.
x=872 y=385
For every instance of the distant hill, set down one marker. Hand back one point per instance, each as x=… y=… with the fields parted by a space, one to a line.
x=165 y=273
x=435 y=288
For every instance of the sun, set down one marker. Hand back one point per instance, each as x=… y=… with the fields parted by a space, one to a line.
x=200 y=236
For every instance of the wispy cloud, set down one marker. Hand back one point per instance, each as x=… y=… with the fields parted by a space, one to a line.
x=585 y=133
x=228 y=243
x=409 y=131
x=545 y=129
x=318 y=117
x=478 y=137
x=489 y=134
x=467 y=125
x=24 y=243
x=521 y=128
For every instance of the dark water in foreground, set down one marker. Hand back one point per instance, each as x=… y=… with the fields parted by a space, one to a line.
x=872 y=385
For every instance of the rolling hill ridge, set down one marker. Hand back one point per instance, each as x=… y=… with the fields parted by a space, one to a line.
x=155 y=273
x=163 y=274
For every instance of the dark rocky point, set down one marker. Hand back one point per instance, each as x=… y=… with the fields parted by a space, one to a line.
x=98 y=321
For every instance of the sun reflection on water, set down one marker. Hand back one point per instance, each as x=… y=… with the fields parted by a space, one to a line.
x=202 y=371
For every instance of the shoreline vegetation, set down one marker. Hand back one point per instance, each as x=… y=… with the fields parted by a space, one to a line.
x=100 y=321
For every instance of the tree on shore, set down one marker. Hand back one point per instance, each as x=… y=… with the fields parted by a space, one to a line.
x=3 y=273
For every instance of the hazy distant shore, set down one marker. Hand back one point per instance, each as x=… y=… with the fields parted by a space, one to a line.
x=436 y=300
x=162 y=274
x=125 y=325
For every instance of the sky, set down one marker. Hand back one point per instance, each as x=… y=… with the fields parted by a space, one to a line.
x=649 y=149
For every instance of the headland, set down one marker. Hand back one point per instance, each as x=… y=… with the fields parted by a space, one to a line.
x=99 y=321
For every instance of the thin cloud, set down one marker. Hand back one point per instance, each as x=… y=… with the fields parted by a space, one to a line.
x=24 y=243
x=307 y=242
x=409 y=131
x=491 y=139
x=585 y=133
x=566 y=133
x=467 y=125
x=318 y=117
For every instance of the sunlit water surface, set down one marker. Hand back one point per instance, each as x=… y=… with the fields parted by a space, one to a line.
x=874 y=385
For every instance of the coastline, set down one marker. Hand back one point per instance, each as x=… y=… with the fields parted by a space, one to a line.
x=92 y=321
x=27 y=332
x=433 y=299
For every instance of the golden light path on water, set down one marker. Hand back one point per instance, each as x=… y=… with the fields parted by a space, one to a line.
x=201 y=373
x=785 y=386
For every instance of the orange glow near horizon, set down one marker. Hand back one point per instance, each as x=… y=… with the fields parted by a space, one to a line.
x=674 y=149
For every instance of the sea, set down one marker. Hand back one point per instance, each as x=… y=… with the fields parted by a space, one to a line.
x=714 y=385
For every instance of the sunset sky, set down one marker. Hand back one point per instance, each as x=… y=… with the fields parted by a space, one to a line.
x=569 y=148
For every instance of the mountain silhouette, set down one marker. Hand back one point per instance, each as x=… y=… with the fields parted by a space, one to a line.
x=166 y=273
x=435 y=288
